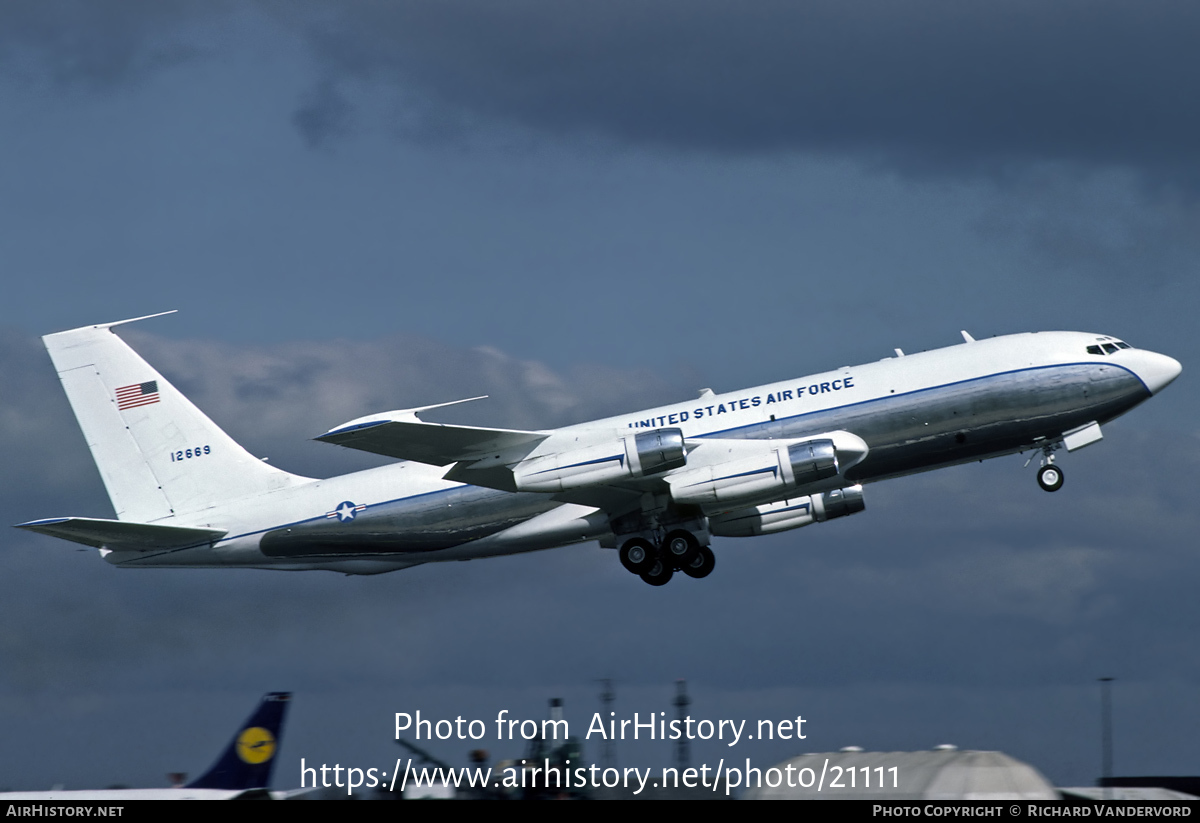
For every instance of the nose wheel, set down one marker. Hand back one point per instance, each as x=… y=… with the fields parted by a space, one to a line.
x=1050 y=478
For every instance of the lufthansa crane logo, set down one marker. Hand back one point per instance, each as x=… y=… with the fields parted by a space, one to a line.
x=256 y=745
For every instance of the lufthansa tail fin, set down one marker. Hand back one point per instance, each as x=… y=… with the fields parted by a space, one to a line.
x=249 y=758
x=158 y=454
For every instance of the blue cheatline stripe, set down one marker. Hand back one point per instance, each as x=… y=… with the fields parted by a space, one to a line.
x=772 y=470
x=322 y=517
x=802 y=507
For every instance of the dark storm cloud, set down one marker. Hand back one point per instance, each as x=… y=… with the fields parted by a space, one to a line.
x=929 y=84
x=99 y=44
x=935 y=83
x=1111 y=223
x=323 y=116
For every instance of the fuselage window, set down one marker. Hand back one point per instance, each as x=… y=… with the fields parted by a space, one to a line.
x=1121 y=345
x=1110 y=348
x=1094 y=350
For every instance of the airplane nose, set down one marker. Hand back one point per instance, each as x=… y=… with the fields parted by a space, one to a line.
x=1157 y=370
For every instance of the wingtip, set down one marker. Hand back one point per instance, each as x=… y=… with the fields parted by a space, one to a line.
x=353 y=425
x=32 y=524
x=394 y=416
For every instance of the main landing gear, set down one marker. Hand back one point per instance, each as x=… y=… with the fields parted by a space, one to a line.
x=657 y=564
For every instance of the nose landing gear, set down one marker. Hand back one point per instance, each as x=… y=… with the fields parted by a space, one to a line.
x=1049 y=476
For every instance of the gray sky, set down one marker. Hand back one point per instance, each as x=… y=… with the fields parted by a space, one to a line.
x=582 y=209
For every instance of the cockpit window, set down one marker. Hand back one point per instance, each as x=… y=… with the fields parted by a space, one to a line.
x=1108 y=348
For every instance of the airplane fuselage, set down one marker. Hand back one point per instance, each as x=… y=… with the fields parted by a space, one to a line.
x=963 y=403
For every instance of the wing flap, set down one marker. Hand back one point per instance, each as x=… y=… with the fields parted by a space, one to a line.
x=122 y=535
x=611 y=499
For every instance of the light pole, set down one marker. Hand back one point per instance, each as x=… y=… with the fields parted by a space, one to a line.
x=682 y=701
x=608 y=750
x=1106 y=743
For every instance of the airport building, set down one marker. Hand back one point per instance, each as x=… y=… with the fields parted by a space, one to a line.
x=944 y=773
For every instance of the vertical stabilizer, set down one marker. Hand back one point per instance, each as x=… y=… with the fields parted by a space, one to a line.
x=158 y=454
x=249 y=758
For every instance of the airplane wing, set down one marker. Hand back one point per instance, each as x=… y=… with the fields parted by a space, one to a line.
x=433 y=443
x=122 y=535
x=477 y=456
x=402 y=435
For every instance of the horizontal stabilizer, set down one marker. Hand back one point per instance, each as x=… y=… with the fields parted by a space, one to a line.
x=401 y=435
x=120 y=535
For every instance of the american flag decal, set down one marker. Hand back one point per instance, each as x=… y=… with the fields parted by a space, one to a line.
x=139 y=394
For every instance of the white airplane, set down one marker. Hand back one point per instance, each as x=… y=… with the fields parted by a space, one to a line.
x=242 y=772
x=655 y=485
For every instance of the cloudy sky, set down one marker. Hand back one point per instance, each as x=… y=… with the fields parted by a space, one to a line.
x=584 y=209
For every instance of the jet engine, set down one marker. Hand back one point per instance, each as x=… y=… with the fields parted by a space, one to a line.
x=764 y=470
x=644 y=454
x=788 y=514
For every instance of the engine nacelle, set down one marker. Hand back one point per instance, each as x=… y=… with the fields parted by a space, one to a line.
x=788 y=514
x=768 y=473
x=644 y=454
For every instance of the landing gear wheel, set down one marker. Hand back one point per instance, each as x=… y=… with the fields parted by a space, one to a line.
x=637 y=555
x=680 y=548
x=703 y=565
x=1050 y=478
x=660 y=574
